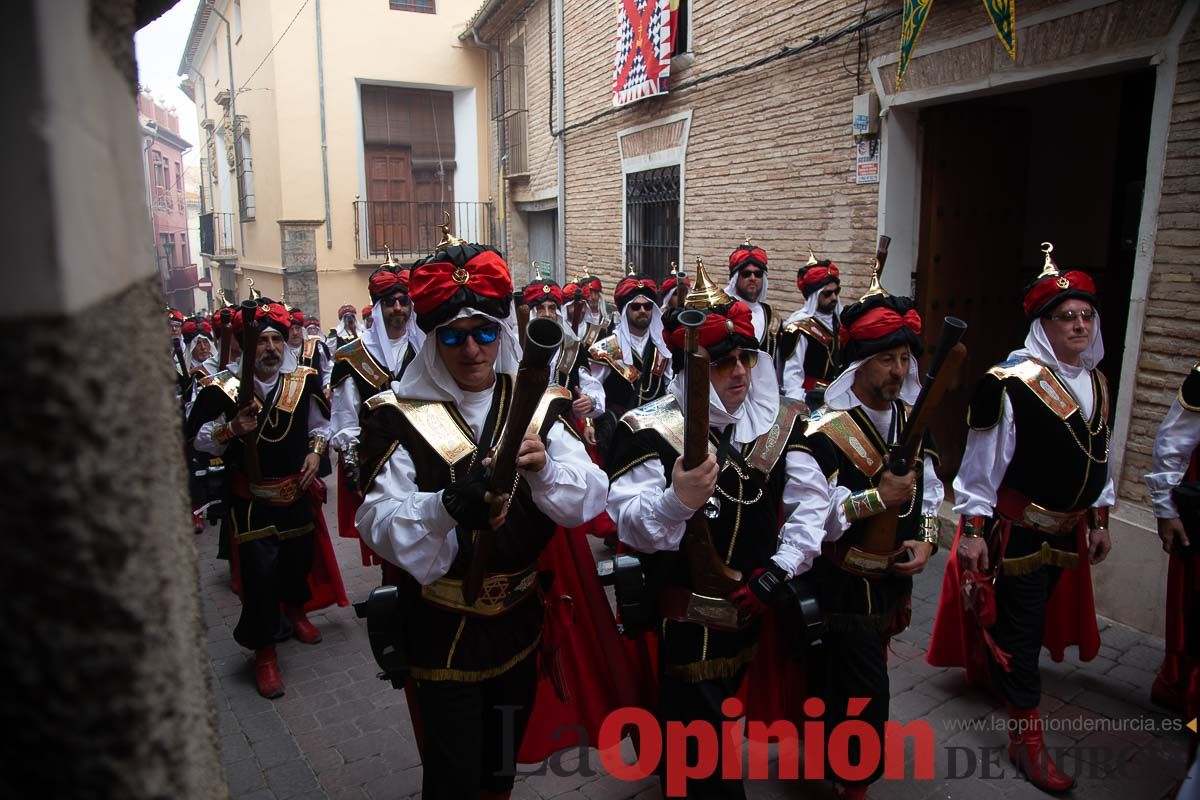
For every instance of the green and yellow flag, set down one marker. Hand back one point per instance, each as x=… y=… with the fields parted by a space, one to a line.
x=1002 y=13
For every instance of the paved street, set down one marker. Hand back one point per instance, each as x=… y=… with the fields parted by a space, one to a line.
x=341 y=733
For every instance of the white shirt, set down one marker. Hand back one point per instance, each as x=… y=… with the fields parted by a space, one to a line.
x=988 y=453
x=596 y=374
x=413 y=530
x=347 y=403
x=1177 y=439
x=793 y=370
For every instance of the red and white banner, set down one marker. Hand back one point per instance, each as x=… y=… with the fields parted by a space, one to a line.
x=643 y=64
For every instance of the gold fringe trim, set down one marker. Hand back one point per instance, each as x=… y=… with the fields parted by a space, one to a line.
x=1046 y=555
x=271 y=530
x=379 y=467
x=472 y=676
x=639 y=460
x=716 y=668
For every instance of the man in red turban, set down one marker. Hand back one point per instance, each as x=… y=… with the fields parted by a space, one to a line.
x=865 y=594
x=748 y=283
x=743 y=498
x=365 y=367
x=1033 y=494
x=346 y=330
x=808 y=348
x=275 y=503
x=427 y=504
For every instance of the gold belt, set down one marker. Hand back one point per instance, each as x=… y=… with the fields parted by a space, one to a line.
x=1013 y=506
x=500 y=592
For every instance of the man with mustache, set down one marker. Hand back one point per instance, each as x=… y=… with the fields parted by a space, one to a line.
x=365 y=367
x=272 y=514
x=1033 y=492
x=865 y=598
x=424 y=450
x=346 y=330
x=632 y=366
x=748 y=283
x=743 y=491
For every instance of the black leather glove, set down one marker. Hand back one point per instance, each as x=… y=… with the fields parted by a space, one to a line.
x=765 y=583
x=464 y=500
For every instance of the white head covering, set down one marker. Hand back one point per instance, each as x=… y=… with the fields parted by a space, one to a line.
x=380 y=345
x=189 y=358
x=427 y=377
x=341 y=330
x=809 y=309
x=1037 y=345
x=288 y=364
x=625 y=336
x=757 y=412
x=840 y=394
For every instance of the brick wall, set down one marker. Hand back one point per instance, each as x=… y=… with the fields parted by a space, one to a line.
x=1171 y=335
x=770 y=155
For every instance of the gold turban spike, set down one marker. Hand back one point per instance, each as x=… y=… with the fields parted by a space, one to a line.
x=812 y=259
x=705 y=294
x=448 y=239
x=629 y=269
x=880 y=259
x=255 y=294
x=1049 y=268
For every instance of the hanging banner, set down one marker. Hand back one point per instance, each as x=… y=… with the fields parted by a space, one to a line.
x=1002 y=13
x=643 y=64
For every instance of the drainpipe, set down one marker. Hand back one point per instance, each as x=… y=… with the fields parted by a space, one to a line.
x=501 y=160
x=560 y=238
x=237 y=143
x=324 y=142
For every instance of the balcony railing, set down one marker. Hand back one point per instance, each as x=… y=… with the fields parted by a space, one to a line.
x=181 y=278
x=412 y=228
x=217 y=234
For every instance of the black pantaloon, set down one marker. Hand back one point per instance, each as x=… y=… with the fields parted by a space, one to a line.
x=273 y=572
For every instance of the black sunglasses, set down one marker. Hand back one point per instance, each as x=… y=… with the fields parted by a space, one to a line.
x=454 y=337
x=751 y=273
x=640 y=306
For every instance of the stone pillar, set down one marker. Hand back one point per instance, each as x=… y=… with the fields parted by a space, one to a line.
x=298 y=255
x=104 y=682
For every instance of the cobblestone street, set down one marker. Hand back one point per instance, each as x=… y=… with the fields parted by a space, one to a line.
x=339 y=732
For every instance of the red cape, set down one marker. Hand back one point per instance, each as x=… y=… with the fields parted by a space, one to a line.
x=1070 y=618
x=348 y=501
x=324 y=579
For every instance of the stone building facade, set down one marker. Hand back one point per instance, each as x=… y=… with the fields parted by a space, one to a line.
x=1087 y=139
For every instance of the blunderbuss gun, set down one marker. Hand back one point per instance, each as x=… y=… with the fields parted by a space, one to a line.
x=878 y=551
x=543 y=338
x=245 y=395
x=226 y=336
x=522 y=319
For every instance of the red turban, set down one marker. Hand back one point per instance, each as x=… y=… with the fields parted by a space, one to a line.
x=366 y=311
x=345 y=309
x=810 y=279
x=175 y=315
x=737 y=322
x=297 y=317
x=633 y=285
x=569 y=291
x=1048 y=292
x=384 y=281
x=274 y=315
x=670 y=283
x=463 y=276
x=541 y=291
x=879 y=323
x=745 y=255
x=593 y=284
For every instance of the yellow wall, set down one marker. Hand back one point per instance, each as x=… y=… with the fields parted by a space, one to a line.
x=363 y=43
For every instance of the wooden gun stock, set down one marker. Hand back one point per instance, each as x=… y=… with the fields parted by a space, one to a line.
x=710 y=575
x=245 y=397
x=880 y=537
x=533 y=376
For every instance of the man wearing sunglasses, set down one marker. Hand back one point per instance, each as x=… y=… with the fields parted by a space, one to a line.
x=743 y=490
x=425 y=456
x=806 y=343
x=632 y=366
x=748 y=283
x=364 y=368
x=1033 y=492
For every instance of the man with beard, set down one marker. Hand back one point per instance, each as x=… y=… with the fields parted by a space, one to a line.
x=865 y=598
x=364 y=368
x=807 y=348
x=1176 y=466
x=473 y=666
x=632 y=366
x=346 y=330
x=748 y=283
x=1033 y=492
x=745 y=490
x=271 y=514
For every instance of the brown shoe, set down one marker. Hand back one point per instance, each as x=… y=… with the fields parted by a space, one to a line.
x=266 y=673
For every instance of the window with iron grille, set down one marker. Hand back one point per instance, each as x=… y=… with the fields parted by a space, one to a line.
x=652 y=220
x=421 y=6
x=245 y=173
x=508 y=104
